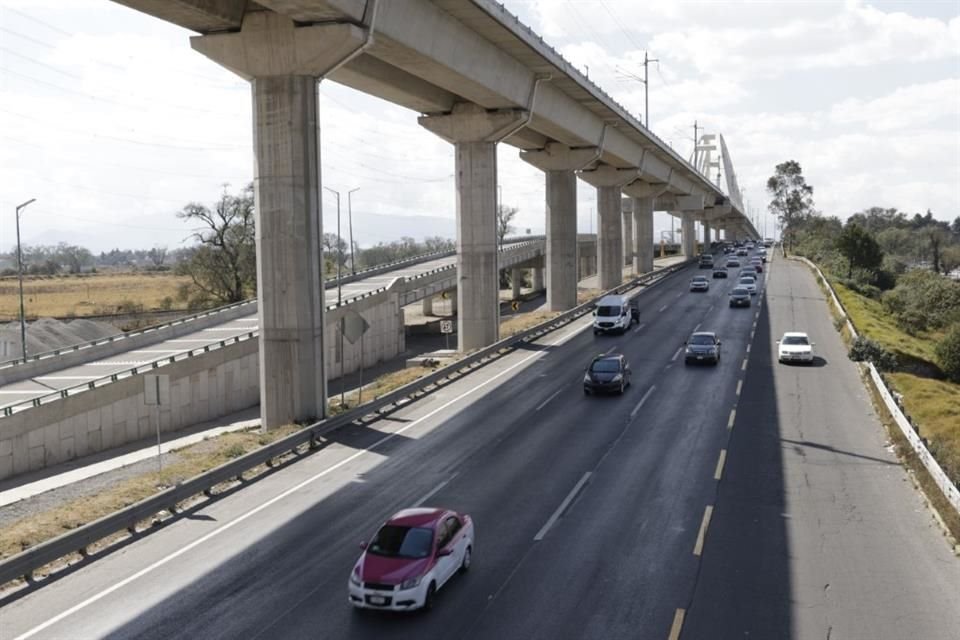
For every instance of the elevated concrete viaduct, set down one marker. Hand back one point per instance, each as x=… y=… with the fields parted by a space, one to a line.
x=478 y=77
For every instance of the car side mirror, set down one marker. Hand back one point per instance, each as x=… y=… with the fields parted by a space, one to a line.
x=719 y=343
x=363 y=545
x=813 y=344
x=444 y=552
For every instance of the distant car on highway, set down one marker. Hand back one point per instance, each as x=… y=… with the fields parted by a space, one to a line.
x=748 y=270
x=795 y=346
x=702 y=346
x=757 y=264
x=609 y=373
x=742 y=251
x=749 y=283
x=410 y=558
x=706 y=261
x=720 y=272
x=733 y=263
x=739 y=297
x=699 y=283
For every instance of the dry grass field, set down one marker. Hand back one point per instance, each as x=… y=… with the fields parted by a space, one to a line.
x=89 y=294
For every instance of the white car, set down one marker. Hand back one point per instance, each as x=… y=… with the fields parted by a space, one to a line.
x=795 y=346
x=749 y=283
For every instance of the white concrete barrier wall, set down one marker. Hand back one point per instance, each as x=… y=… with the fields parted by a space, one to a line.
x=201 y=388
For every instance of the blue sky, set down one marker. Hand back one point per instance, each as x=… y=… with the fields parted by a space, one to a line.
x=112 y=122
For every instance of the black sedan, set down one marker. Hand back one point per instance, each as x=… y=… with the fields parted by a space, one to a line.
x=702 y=347
x=720 y=272
x=607 y=374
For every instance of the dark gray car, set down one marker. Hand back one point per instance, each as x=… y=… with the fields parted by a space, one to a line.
x=739 y=297
x=607 y=374
x=702 y=347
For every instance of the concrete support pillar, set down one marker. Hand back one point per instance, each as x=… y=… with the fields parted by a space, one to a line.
x=516 y=279
x=706 y=237
x=559 y=163
x=561 y=212
x=608 y=181
x=688 y=235
x=628 y=232
x=428 y=306
x=283 y=61
x=643 y=235
x=473 y=132
x=609 y=240
x=538 y=279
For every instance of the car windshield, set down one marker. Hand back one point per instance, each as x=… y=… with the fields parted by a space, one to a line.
x=699 y=279
x=394 y=541
x=795 y=340
x=605 y=366
x=739 y=292
x=701 y=340
x=746 y=281
x=608 y=311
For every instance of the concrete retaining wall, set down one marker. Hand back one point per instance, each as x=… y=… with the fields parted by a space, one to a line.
x=201 y=388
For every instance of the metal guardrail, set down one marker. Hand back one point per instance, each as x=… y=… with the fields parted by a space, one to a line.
x=124 y=336
x=950 y=490
x=10 y=409
x=25 y=563
x=329 y=283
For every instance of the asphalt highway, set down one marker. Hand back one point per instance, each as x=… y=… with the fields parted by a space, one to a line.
x=746 y=500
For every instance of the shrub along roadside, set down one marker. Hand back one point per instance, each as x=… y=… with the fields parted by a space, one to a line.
x=948 y=354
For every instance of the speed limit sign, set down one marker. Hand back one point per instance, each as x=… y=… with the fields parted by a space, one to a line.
x=446 y=326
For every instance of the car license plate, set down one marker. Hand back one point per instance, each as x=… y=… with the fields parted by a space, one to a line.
x=377 y=600
x=699 y=357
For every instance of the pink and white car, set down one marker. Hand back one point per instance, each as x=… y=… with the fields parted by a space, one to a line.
x=410 y=558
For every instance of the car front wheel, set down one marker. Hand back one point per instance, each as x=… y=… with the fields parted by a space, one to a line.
x=467 y=559
x=430 y=598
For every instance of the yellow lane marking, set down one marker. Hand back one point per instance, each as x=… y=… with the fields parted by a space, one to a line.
x=723 y=458
x=707 y=514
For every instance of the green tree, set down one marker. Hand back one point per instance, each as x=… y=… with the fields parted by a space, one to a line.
x=923 y=300
x=792 y=198
x=224 y=267
x=859 y=248
x=948 y=353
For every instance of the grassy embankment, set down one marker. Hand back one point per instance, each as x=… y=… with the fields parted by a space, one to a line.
x=89 y=294
x=932 y=404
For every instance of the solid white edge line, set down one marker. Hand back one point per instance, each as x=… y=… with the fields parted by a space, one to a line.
x=552 y=396
x=642 y=400
x=434 y=491
x=229 y=525
x=563 y=507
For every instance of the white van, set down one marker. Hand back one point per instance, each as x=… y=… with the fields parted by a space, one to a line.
x=612 y=314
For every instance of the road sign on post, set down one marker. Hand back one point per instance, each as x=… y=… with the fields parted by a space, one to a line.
x=156 y=392
x=446 y=328
x=515 y=305
x=352 y=327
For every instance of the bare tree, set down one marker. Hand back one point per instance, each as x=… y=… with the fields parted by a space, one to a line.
x=224 y=268
x=505 y=216
x=158 y=255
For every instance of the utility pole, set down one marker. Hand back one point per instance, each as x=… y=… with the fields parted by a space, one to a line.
x=646 y=88
x=353 y=263
x=695 y=143
x=23 y=318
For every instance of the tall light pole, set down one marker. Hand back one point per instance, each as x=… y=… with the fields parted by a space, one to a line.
x=353 y=264
x=23 y=318
x=339 y=240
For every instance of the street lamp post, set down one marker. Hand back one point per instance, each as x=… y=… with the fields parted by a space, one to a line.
x=339 y=240
x=23 y=318
x=353 y=263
